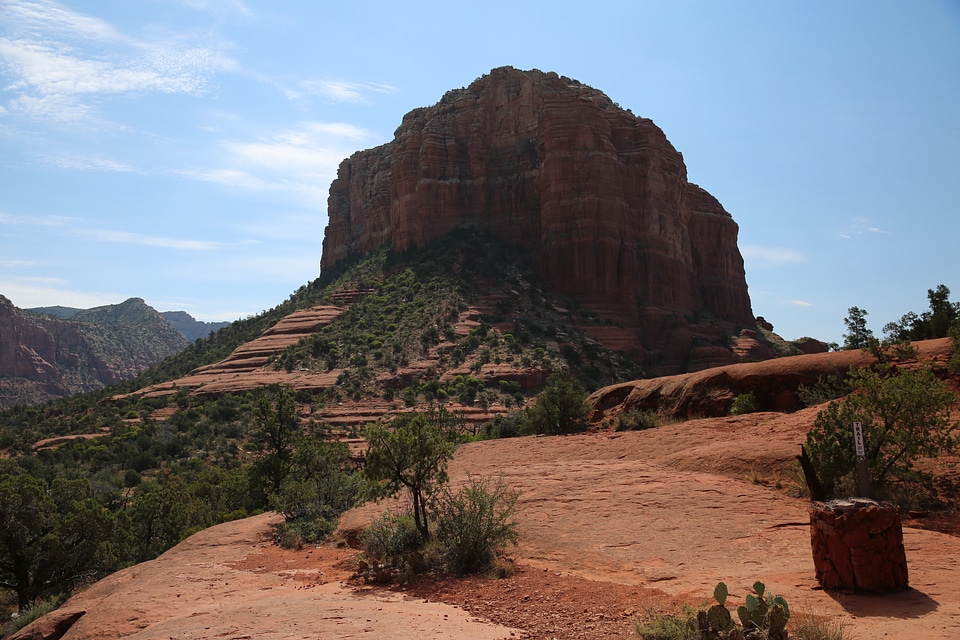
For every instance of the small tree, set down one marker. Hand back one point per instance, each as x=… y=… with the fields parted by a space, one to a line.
x=412 y=453
x=560 y=407
x=935 y=323
x=904 y=415
x=858 y=336
x=317 y=490
x=278 y=426
x=51 y=537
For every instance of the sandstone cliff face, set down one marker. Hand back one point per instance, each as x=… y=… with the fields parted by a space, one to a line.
x=598 y=197
x=43 y=357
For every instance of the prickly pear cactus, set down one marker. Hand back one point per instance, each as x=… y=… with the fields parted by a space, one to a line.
x=780 y=600
x=719 y=618
x=720 y=593
x=752 y=615
x=763 y=616
x=703 y=626
x=776 y=622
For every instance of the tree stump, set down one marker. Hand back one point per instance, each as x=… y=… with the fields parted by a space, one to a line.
x=858 y=545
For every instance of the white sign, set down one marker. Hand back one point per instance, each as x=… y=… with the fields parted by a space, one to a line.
x=858 y=439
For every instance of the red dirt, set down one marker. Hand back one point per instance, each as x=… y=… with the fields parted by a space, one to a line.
x=612 y=526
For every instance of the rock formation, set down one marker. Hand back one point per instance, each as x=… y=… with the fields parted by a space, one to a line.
x=597 y=197
x=43 y=357
x=710 y=393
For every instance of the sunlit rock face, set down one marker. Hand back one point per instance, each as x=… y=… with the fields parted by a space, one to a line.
x=598 y=197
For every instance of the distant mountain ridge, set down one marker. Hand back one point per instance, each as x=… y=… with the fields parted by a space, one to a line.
x=191 y=328
x=44 y=355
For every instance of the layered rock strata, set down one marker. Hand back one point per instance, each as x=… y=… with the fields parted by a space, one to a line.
x=598 y=197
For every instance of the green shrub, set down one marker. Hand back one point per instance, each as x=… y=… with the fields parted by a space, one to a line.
x=954 y=363
x=38 y=610
x=823 y=390
x=560 y=407
x=743 y=403
x=658 y=626
x=905 y=416
x=509 y=426
x=474 y=523
x=636 y=420
x=297 y=533
x=391 y=537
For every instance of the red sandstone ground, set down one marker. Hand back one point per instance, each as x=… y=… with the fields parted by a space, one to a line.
x=613 y=525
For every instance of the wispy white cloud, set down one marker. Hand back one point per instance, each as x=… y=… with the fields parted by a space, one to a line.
x=222 y=8
x=88 y=163
x=16 y=264
x=127 y=237
x=799 y=303
x=313 y=149
x=299 y=162
x=82 y=228
x=759 y=256
x=58 y=62
x=226 y=177
x=284 y=156
x=39 y=17
x=859 y=227
x=334 y=90
x=37 y=221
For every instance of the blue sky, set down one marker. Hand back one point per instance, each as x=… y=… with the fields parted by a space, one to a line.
x=181 y=150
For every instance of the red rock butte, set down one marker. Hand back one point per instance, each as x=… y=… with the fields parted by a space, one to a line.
x=597 y=198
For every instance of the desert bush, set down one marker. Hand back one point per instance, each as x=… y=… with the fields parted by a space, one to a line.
x=905 y=416
x=474 y=524
x=294 y=534
x=953 y=365
x=560 y=407
x=509 y=426
x=659 y=626
x=823 y=390
x=636 y=420
x=38 y=610
x=808 y=626
x=315 y=493
x=390 y=538
x=743 y=403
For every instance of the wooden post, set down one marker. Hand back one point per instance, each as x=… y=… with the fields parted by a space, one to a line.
x=864 y=489
x=810 y=475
